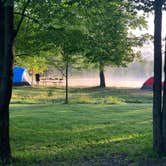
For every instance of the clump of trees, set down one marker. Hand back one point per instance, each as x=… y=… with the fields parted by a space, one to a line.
x=97 y=31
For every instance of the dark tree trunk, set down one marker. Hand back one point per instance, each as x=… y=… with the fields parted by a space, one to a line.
x=6 y=68
x=164 y=106
x=157 y=114
x=67 y=72
x=101 y=74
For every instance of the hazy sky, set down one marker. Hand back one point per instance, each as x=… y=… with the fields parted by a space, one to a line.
x=147 y=50
x=151 y=23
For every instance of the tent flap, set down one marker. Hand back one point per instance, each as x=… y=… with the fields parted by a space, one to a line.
x=19 y=76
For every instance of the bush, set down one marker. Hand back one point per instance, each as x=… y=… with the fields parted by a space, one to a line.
x=113 y=100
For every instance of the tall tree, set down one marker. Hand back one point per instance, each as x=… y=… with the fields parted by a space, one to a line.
x=69 y=41
x=6 y=65
x=8 y=35
x=157 y=100
x=164 y=105
x=49 y=32
x=65 y=33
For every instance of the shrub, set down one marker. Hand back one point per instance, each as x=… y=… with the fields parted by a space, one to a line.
x=113 y=100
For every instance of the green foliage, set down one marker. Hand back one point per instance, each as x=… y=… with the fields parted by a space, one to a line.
x=113 y=100
x=147 y=6
x=56 y=38
x=86 y=99
x=76 y=28
x=108 y=38
x=50 y=93
x=34 y=64
x=80 y=34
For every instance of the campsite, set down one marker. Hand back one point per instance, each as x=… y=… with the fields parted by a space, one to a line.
x=82 y=83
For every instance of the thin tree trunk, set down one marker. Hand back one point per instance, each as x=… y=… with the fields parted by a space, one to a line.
x=6 y=68
x=164 y=106
x=101 y=74
x=157 y=114
x=67 y=72
x=32 y=77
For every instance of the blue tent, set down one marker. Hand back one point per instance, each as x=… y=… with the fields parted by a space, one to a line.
x=21 y=76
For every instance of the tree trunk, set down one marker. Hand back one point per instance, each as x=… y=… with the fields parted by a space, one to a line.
x=67 y=72
x=157 y=114
x=102 y=77
x=32 y=77
x=6 y=68
x=164 y=106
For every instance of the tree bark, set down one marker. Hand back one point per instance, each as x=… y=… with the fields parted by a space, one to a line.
x=6 y=68
x=164 y=106
x=102 y=76
x=157 y=90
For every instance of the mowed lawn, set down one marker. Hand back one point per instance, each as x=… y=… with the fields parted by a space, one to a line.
x=98 y=127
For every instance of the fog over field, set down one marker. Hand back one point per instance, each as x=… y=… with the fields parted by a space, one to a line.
x=132 y=76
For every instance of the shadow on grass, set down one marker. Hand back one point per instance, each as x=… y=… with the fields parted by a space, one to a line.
x=94 y=95
x=127 y=95
x=106 y=153
x=22 y=102
x=58 y=135
x=40 y=101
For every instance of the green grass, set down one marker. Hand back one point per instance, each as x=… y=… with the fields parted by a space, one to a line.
x=98 y=127
x=80 y=95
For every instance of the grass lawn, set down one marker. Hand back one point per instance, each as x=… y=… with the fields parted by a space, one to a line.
x=102 y=127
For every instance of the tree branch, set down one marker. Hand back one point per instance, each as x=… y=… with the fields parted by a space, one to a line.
x=21 y=54
x=22 y=18
x=29 y=17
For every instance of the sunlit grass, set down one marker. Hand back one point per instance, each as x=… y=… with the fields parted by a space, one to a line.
x=87 y=131
x=80 y=95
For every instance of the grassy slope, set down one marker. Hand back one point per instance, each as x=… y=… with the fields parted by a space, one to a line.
x=95 y=127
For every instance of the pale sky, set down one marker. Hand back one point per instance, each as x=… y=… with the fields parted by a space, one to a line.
x=147 y=50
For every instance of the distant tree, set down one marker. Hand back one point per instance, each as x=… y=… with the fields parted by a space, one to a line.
x=69 y=41
x=66 y=35
x=108 y=39
x=48 y=33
